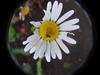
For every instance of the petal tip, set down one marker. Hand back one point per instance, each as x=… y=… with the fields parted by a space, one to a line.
x=68 y=52
x=77 y=19
x=74 y=42
x=34 y=57
x=23 y=42
x=30 y=52
x=44 y=10
x=60 y=58
x=25 y=50
x=72 y=11
x=31 y=22
x=48 y=60
x=55 y=1
x=49 y=3
x=61 y=4
x=78 y=26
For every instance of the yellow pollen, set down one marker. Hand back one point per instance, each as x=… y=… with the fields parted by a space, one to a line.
x=49 y=30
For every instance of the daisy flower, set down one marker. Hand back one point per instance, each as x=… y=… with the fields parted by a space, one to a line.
x=47 y=40
x=24 y=11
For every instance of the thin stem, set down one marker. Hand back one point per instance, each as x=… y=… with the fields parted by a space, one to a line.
x=39 y=67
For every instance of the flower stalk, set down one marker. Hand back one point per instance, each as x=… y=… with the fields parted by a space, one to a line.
x=39 y=67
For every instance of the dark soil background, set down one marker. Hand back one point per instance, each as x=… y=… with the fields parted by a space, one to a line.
x=79 y=51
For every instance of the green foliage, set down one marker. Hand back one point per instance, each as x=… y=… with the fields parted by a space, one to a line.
x=27 y=68
x=67 y=65
x=11 y=34
x=32 y=28
x=20 y=51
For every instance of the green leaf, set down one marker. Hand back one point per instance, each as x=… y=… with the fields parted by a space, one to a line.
x=20 y=51
x=67 y=65
x=11 y=34
x=33 y=28
x=27 y=67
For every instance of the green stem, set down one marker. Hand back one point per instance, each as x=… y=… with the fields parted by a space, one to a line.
x=39 y=67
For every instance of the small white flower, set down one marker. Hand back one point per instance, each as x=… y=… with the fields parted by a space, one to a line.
x=23 y=12
x=47 y=38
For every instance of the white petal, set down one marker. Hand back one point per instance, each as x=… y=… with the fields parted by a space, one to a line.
x=25 y=42
x=69 y=28
x=49 y=5
x=71 y=33
x=36 y=31
x=38 y=45
x=62 y=46
x=70 y=22
x=28 y=46
x=54 y=10
x=63 y=36
x=32 y=42
x=33 y=38
x=33 y=49
x=47 y=12
x=52 y=51
x=30 y=38
x=57 y=50
x=65 y=16
x=46 y=16
x=20 y=16
x=70 y=40
x=42 y=49
x=36 y=54
x=58 y=11
x=23 y=18
x=36 y=24
x=47 y=53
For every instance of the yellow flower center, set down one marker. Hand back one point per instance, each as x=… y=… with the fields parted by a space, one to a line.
x=25 y=10
x=49 y=30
